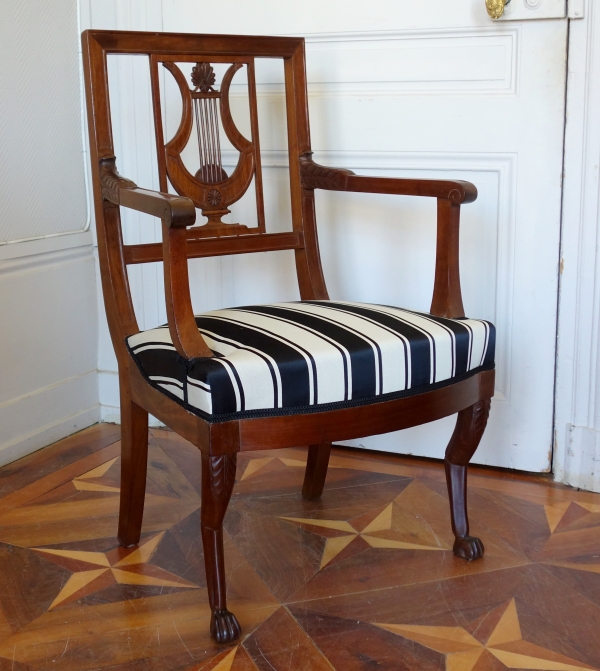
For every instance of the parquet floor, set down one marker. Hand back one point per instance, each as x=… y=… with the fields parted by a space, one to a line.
x=363 y=579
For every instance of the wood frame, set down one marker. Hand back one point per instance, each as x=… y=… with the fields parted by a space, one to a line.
x=220 y=442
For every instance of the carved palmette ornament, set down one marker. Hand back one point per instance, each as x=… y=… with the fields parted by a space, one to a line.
x=203 y=77
x=206 y=110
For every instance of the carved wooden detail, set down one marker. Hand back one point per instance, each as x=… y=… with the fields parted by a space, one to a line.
x=470 y=425
x=203 y=77
x=111 y=181
x=218 y=478
x=456 y=197
x=315 y=176
x=205 y=110
x=214 y=197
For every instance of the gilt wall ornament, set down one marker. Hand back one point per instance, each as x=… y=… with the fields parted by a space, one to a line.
x=495 y=8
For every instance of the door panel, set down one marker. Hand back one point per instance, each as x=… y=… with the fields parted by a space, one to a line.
x=430 y=89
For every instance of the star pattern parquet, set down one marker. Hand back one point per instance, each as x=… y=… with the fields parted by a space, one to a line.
x=362 y=579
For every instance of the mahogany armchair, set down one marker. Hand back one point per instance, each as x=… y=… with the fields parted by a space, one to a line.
x=268 y=376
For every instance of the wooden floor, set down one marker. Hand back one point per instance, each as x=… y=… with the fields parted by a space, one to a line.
x=363 y=579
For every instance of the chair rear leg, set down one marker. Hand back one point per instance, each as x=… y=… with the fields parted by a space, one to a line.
x=470 y=426
x=316 y=470
x=218 y=477
x=134 y=462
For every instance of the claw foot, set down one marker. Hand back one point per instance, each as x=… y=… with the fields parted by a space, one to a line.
x=224 y=626
x=468 y=548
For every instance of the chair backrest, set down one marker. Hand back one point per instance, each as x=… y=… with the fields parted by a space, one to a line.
x=205 y=106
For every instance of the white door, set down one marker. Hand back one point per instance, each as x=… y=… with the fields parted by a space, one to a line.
x=423 y=89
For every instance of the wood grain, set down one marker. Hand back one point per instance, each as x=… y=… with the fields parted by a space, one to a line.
x=362 y=576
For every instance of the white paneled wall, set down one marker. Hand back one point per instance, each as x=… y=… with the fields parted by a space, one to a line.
x=48 y=317
x=395 y=89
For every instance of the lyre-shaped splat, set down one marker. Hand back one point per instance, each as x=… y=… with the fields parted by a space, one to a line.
x=211 y=189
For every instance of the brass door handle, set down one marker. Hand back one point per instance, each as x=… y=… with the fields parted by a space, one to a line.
x=495 y=8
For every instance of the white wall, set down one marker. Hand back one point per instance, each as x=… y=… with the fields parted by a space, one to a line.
x=48 y=318
x=577 y=448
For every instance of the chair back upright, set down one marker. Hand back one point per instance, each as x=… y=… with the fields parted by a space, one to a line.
x=205 y=111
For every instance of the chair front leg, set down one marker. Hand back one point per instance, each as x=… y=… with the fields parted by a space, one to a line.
x=469 y=429
x=134 y=463
x=316 y=470
x=218 y=477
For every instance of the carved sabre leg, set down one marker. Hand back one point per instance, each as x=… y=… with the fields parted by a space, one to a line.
x=218 y=476
x=470 y=426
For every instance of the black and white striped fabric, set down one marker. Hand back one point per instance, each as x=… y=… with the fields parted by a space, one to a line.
x=308 y=356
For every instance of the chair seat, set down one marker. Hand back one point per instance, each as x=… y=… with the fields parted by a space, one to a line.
x=309 y=356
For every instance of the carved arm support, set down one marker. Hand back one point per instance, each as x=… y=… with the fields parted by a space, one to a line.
x=176 y=214
x=447 y=297
x=175 y=211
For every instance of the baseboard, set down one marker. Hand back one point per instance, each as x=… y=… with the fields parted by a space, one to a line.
x=581 y=466
x=110 y=412
x=46 y=415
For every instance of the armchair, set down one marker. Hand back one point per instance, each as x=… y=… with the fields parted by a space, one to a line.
x=268 y=376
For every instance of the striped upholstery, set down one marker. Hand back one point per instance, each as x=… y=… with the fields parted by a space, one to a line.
x=312 y=355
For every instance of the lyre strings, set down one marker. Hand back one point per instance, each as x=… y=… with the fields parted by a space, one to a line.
x=206 y=113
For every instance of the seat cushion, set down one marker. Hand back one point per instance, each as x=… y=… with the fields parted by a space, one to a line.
x=309 y=356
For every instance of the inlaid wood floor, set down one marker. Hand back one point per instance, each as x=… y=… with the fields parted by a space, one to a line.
x=362 y=579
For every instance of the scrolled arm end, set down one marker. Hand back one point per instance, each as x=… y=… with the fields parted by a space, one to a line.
x=462 y=192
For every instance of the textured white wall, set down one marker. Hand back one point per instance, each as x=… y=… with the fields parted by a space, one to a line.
x=42 y=188
x=48 y=315
x=577 y=437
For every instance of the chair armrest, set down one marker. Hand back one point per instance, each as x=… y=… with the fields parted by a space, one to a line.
x=447 y=296
x=315 y=176
x=176 y=214
x=175 y=211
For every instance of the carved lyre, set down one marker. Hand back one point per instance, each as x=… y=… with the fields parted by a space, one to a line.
x=211 y=189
